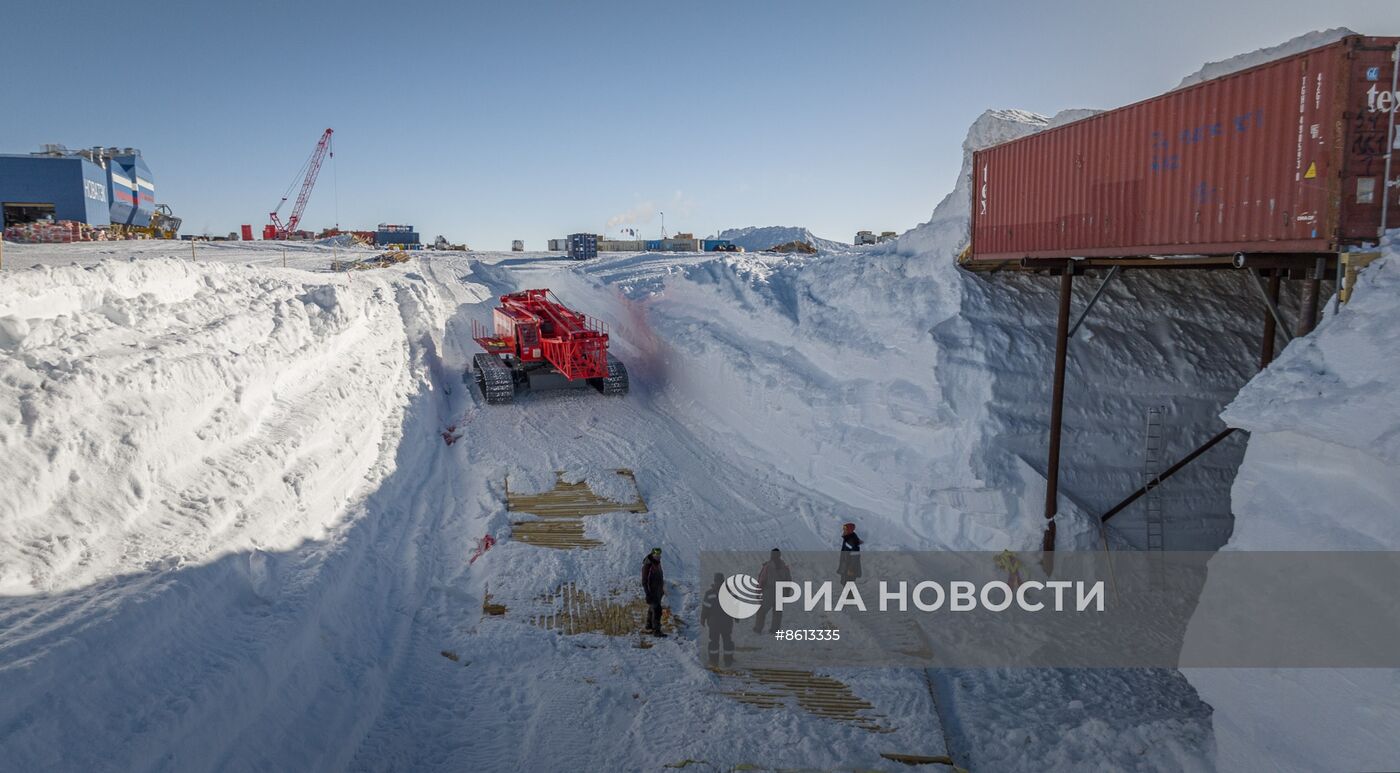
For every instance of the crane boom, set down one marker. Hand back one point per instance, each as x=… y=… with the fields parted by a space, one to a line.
x=313 y=168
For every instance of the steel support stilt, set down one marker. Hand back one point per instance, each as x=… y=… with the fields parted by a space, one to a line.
x=1266 y=351
x=1312 y=287
x=1270 y=304
x=1057 y=400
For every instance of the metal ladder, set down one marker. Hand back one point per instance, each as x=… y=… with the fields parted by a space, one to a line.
x=1152 y=447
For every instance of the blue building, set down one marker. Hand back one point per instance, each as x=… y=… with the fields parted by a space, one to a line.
x=130 y=189
x=401 y=235
x=98 y=186
x=35 y=187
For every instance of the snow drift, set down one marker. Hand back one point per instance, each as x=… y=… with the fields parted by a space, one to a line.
x=1234 y=64
x=759 y=238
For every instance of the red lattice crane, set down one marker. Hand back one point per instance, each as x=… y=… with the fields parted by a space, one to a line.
x=276 y=229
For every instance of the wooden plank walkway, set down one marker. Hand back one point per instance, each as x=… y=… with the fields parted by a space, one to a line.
x=561 y=511
x=571 y=611
x=821 y=696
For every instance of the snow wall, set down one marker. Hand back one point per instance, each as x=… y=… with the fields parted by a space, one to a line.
x=159 y=412
x=1322 y=472
x=917 y=395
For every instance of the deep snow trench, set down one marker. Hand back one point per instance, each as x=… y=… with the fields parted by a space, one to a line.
x=234 y=535
x=292 y=559
x=238 y=538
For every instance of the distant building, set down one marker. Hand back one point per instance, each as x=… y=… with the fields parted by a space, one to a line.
x=396 y=235
x=869 y=237
x=97 y=186
x=621 y=245
x=681 y=242
x=34 y=188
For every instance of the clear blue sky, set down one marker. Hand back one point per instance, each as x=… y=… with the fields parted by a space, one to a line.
x=489 y=121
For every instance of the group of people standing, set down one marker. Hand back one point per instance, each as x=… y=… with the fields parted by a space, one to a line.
x=719 y=624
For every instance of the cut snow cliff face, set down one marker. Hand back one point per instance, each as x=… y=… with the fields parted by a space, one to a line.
x=155 y=413
x=918 y=395
x=1322 y=472
x=217 y=488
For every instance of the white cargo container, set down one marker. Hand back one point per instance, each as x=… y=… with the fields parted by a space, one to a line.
x=621 y=245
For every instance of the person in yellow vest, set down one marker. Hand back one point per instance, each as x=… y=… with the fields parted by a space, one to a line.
x=1009 y=563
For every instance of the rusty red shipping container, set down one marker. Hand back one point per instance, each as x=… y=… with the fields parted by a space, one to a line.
x=1285 y=157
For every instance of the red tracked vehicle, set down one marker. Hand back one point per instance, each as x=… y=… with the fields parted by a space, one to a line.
x=535 y=339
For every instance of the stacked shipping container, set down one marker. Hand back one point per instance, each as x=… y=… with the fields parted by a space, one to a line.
x=583 y=246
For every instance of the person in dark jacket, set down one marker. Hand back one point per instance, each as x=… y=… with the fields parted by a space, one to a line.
x=719 y=623
x=849 y=567
x=654 y=586
x=773 y=572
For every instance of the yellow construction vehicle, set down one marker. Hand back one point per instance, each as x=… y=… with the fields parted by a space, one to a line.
x=164 y=224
